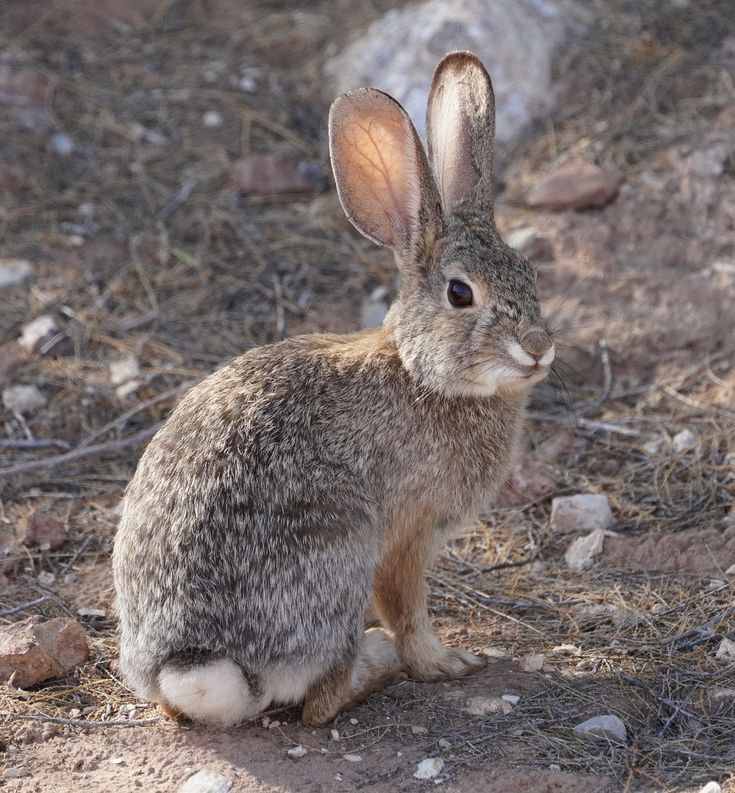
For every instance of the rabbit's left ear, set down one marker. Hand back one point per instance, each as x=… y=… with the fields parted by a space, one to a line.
x=383 y=178
x=460 y=127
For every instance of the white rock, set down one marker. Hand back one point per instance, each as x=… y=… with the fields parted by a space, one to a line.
x=533 y=663
x=297 y=751
x=418 y=729
x=335 y=735
x=352 y=758
x=23 y=398
x=711 y=787
x=212 y=119
x=89 y=612
x=372 y=313
x=583 y=512
x=206 y=781
x=116 y=760
x=511 y=699
x=684 y=441
x=722 y=694
x=724 y=267
x=429 y=768
x=61 y=144
x=75 y=713
x=609 y=727
x=37 y=332
x=726 y=650
x=484 y=706
x=14 y=271
x=354 y=721
x=582 y=553
x=516 y=40
x=730 y=570
x=45 y=578
x=531 y=243
x=16 y=773
x=554 y=767
x=444 y=743
x=124 y=370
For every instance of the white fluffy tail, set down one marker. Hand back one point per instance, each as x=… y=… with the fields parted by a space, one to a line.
x=215 y=692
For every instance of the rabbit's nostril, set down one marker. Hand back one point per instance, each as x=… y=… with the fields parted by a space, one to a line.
x=536 y=343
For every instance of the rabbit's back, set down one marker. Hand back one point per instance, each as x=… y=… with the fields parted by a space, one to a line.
x=247 y=531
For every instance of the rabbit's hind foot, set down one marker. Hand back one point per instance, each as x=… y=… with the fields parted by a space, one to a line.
x=375 y=665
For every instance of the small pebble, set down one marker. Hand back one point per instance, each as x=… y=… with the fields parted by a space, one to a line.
x=70 y=578
x=75 y=713
x=429 y=768
x=726 y=650
x=554 y=767
x=532 y=663
x=335 y=735
x=417 y=729
x=444 y=743
x=275 y=723
x=61 y=144
x=683 y=441
x=212 y=119
x=46 y=579
x=512 y=699
x=711 y=787
x=14 y=271
x=116 y=761
x=354 y=721
x=730 y=570
x=23 y=399
x=297 y=751
x=352 y=758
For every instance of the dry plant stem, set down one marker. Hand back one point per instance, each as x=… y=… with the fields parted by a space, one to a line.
x=84 y=723
x=78 y=454
x=31 y=604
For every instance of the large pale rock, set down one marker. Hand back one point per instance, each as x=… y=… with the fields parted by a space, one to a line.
x=32 y=651
x=515 y=39
x=206 y=781
x=609 y=727
x=575 y=186
x=582 y=512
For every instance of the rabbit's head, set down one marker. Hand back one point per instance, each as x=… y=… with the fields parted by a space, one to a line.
x=467 y=319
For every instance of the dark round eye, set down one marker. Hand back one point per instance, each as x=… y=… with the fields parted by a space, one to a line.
x=459 y=294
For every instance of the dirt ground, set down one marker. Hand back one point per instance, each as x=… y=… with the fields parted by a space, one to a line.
x=143 y=245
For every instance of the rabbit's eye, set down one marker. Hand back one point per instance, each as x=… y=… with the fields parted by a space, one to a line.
x=459 y=294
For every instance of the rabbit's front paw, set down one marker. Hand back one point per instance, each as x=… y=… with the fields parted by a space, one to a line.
x=436 y=662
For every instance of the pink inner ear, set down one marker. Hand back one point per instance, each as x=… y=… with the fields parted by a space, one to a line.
x=379 y=159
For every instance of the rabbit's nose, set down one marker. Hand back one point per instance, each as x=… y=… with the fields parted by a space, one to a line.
x=539 y=346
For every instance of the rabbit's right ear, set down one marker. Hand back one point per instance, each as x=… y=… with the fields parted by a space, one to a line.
x=383 y=178
x=460 y=132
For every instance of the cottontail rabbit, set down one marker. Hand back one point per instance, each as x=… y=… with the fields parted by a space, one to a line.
x=312 y=481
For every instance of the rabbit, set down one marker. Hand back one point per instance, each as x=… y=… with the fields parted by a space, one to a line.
x=305 y=487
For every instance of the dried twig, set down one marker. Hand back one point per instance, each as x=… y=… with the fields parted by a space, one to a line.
x=79 y=454
x=31 y=604
x=85 y=723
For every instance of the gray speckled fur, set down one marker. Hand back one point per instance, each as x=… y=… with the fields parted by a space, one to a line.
x=258 y=515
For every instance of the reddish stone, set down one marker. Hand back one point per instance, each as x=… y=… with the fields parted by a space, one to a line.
x=34 y=650
x=43 y=530
x=575 y=186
